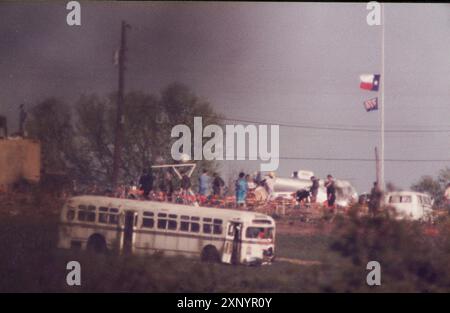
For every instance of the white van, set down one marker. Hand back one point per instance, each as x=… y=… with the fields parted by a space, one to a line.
x=410 y=204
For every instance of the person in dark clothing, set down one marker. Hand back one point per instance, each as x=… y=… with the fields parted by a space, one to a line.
x=375 y=199
x=169 y=186
x=185 y=186
x=217 y=184
x=301 y=195
x=314 y=189
x=146 y=182
x=22 y=119
x=166 y=185
x=331 y=191
x=3 y=126
x=258 y=178
x=162 y=182
x=185 y=182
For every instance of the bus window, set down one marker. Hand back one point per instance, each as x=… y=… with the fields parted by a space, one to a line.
x=82 y=212
x=114 y=216
x=86 y=213
x=70 y=214
x=217 y=227
x=147 y=220
x=165 y=222
x=172 y=224
x=184 y=226
x=259 y=232
x=103 y=215
x=162 y=223
x=91 y=213
x=207 y=228
x=195 y=227
x=210 y=226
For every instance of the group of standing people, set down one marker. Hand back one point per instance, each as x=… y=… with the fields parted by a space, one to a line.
x=166 y=186
x=246 y=183
x=205 y=182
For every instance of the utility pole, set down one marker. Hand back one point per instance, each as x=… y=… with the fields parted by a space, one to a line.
x=119 y=117
x=377 y=166
x=383 y=26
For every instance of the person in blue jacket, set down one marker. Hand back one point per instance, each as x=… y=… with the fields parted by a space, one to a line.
x=241 y=190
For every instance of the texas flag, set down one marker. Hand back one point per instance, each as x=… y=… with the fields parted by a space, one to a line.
x=370 y=81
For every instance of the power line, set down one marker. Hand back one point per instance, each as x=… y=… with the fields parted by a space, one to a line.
x=337 y=128
x=363 y=159
x=346 y=159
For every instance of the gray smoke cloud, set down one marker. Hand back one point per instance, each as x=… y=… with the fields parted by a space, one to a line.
x=272 y=62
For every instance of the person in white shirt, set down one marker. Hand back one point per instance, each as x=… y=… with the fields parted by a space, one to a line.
x=270 y=184
x=250 y=182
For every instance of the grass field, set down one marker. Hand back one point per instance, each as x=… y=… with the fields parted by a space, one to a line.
x=30 y=261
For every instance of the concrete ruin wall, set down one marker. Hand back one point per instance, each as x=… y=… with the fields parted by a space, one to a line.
x=19 y=159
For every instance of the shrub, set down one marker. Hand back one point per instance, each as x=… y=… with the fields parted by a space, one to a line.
x=413 y=256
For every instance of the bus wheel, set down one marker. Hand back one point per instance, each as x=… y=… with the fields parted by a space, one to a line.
x=210 y=254
x=96 y=243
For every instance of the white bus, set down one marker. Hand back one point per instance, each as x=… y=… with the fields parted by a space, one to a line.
x=146 y=227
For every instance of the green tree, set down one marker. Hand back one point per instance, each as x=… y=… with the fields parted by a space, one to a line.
x=434 y=187
x=180 y=106
x=390 y=186
x=148 y=120
x=444 y=177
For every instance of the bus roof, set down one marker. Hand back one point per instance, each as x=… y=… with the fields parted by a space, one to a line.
x=174 y=208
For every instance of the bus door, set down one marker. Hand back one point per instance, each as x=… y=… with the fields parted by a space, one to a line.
x=128 y=229
x=231 y=249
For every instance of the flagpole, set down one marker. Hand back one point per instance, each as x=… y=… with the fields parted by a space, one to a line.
x=382 y=95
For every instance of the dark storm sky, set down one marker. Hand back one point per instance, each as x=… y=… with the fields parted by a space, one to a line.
x=295 y=63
